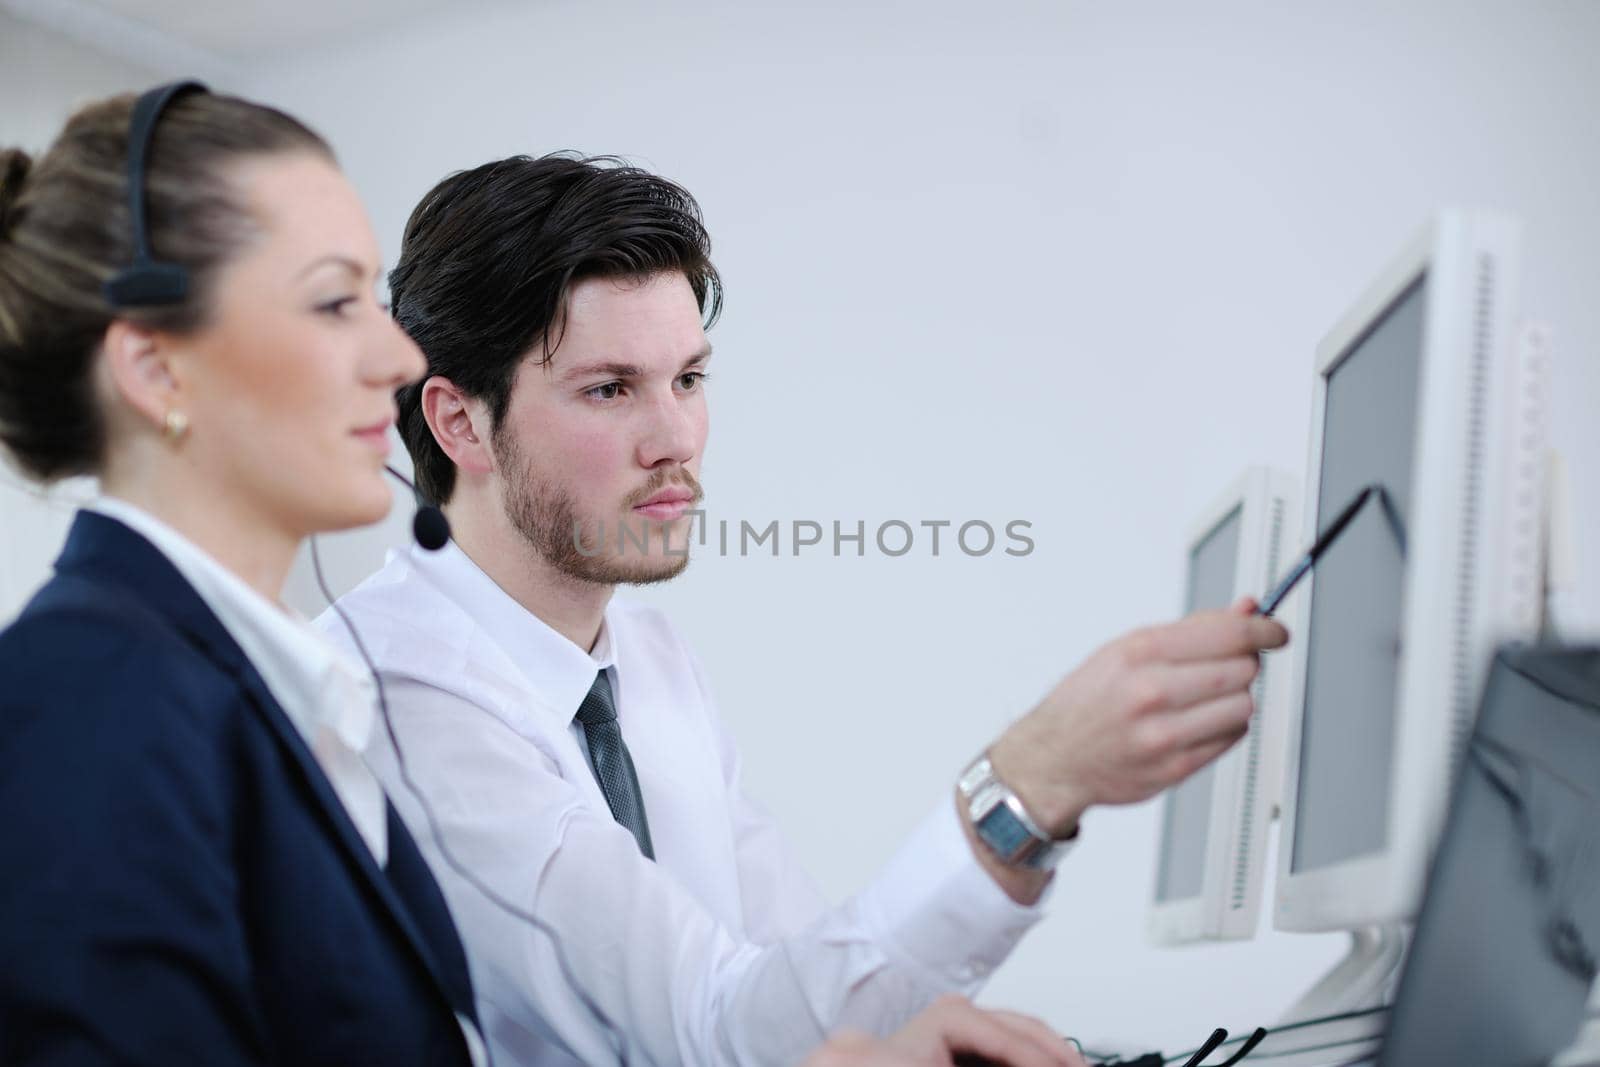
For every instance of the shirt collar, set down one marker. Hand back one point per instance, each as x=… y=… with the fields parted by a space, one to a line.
x=558 y=670
x=313 y=681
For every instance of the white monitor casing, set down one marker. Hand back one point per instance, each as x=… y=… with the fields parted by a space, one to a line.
x=1473 y=569
x=1245 y=786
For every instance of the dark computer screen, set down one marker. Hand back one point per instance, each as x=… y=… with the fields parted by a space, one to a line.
x=1353 y=639
x=1188 y=806
x=1503 y=956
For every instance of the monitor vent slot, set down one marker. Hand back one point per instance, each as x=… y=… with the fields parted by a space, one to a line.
x=1252 y=759
x=1464 y=672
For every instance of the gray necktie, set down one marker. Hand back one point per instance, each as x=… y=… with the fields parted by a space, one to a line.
x=612 y=764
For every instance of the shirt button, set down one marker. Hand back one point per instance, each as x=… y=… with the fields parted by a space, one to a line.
x=971 y=972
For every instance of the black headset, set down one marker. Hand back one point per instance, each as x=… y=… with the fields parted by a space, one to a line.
x=147 y=282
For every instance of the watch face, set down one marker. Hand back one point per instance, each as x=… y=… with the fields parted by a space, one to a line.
x=1004 y=832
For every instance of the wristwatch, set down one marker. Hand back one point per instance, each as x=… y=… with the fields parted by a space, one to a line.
x=1003 y=824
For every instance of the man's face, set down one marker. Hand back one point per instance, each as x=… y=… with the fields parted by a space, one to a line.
x=599 y=450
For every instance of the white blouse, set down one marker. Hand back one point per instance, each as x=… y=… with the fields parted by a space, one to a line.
x=328 y=695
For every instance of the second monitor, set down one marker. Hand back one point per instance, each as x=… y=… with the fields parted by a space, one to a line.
x=1214 y=824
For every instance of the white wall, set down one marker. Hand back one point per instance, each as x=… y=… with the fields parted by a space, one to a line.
x=1058 y=261
x=43 y=79
x=1064 y=262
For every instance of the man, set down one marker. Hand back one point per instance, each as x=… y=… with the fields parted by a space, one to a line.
x=566 y=741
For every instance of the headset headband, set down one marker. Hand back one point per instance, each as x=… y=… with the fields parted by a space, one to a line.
x=146 y=282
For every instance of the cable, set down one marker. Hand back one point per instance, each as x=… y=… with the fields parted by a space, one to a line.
x=1253 y=1040
x=1258 y=1036
x=1218 y=1036
x=614 y=1036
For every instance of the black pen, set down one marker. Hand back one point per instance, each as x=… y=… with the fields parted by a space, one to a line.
x=1270 y=602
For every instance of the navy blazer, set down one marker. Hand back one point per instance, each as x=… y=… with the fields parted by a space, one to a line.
x=179 y=884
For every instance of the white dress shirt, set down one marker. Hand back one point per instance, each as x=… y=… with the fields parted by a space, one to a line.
x=721 y=951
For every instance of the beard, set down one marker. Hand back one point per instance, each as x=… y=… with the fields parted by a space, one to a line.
x=593 y=551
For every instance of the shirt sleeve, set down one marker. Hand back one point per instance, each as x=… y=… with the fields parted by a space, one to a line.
x=636 y=949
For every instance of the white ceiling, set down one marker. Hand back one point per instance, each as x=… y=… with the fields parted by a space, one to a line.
x=193 y=31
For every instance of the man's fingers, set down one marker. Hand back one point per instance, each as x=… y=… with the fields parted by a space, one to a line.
x=1045 y=1036
x=967 y=1029
x=1207 y=635
x=1226 y=717
x=1183 y=685
x=1190 y=760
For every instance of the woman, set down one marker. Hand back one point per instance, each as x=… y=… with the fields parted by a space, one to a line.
x=198 y=866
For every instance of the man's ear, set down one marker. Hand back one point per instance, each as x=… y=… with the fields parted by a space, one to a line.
x=141 y=371
x=460 y=425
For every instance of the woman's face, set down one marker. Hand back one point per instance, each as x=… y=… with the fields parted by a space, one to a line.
x=289 y=388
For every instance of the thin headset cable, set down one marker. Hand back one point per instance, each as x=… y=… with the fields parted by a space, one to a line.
x=615 y=1036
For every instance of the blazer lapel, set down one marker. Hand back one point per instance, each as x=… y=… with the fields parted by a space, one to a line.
x=409 y=874
x=101 y=548
x=428 y=942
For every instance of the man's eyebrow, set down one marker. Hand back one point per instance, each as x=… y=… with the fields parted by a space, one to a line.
x=352 y=265
x=612 y=369
x=603 y=369
x=699 y=357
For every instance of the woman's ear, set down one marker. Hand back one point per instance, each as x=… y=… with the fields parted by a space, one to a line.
x=141 y=372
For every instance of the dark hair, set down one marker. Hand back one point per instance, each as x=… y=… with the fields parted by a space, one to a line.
x=65 y=228
x=490 y=254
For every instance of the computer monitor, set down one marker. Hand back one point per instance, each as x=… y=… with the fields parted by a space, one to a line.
x=1421 y=388
x=1214 y=825
x=1524 y=823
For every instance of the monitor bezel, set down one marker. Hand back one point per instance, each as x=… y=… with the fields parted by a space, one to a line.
x=1470 y=262
x=1210 y=915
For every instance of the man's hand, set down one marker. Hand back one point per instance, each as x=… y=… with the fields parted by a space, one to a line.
x=953 y=1032
x=1139 y=715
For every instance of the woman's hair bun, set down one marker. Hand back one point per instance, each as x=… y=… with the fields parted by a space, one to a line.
x=14 y=167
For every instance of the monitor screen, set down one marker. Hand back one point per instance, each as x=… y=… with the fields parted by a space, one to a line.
x=1347 y=732
x=1188 y=805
